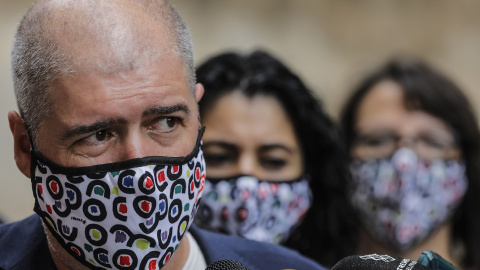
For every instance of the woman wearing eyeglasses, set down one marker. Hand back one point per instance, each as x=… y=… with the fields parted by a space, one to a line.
x=414 y=145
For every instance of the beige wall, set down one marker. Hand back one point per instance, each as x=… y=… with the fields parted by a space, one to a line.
x=329 y=43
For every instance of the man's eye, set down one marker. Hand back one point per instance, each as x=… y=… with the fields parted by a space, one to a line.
x=165 y=124
x=171 y=122
x=101 y=135
x=95 y=144
x=98 y=137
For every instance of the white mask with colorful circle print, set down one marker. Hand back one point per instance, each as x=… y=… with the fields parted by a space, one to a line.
x=125 y=215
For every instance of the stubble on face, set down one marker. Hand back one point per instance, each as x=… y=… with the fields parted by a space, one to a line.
x=60 y=256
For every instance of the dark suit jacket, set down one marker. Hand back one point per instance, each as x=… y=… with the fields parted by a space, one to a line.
x=23 y=246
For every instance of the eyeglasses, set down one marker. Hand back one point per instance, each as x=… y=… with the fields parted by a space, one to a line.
x=380 y=145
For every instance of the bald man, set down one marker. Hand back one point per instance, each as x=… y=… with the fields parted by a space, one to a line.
x=108 y=132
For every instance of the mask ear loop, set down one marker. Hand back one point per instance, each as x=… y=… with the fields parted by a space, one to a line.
x=29 y=136
x=36 y=207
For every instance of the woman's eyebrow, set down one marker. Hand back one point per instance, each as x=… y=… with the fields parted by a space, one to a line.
x=222 y=144
x=273 y=146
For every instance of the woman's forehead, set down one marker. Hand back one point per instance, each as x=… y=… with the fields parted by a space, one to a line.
x=383 y=108
x=253 y=119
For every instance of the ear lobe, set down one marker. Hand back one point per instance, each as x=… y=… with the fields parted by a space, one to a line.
x=21 y=142
x=199 y=90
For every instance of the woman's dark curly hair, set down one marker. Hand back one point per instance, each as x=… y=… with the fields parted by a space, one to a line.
x=327 y=232
x=427 y=90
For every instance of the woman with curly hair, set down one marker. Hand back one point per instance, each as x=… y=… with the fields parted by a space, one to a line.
x=275 y=168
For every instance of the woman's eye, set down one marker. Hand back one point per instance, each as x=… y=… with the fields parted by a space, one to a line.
x=218 y=159
x=375 y=141
x=434 y=143
x=273 y=163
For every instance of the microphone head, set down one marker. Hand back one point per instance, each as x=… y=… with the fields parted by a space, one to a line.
x=226 y=265
x=377 y=262
x=435 y=261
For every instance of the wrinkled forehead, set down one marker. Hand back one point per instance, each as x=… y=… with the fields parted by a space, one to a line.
x=109 y=37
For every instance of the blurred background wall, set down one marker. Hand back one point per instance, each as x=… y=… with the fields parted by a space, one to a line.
x=331 y=44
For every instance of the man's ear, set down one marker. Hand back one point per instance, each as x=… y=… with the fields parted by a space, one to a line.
x=199 y=91
x=21 y=142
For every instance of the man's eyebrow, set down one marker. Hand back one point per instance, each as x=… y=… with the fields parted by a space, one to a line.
x=85 y=129
x=167 y=110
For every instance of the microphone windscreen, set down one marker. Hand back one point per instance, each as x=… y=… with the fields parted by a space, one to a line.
x=434 y=261
x=377 y=262
x=226 y=265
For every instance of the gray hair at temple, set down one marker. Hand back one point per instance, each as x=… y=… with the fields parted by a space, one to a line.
x=58 y=38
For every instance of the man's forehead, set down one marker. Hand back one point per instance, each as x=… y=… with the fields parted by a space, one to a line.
x=163 y=84
x=113 y=38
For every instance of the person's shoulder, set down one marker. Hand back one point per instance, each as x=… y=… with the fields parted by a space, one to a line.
x=23 y=245
x=15 y=235
x=252 y=254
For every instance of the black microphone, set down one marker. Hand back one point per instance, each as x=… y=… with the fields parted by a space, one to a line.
x=377 y=262
x=226 y=265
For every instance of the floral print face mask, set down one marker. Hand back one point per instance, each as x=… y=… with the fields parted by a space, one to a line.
x=402 y=200
x=260 y=210
x=125 y=215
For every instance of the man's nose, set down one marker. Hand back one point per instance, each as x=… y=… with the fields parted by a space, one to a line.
x=135 y=145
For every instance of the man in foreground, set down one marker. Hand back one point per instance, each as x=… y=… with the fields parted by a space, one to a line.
x=108 y=133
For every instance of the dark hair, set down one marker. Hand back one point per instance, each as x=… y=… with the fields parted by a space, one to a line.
x=427 y=90
x=326 y=233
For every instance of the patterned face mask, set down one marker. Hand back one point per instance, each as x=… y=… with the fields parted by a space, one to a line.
x=402 y=200
x=260 y=210
x=125 y=215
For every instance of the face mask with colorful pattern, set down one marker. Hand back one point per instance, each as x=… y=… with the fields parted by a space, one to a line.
x=260 y=210
x=402 y=200
x=125 y=215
